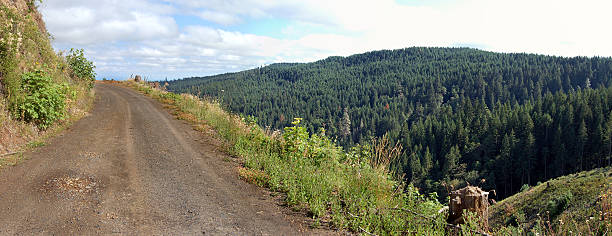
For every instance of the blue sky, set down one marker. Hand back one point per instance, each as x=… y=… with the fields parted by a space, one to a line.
x=174 y=39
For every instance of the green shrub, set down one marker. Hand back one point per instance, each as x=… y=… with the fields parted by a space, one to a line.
x=170 y=96
x=516 y=219
x=81 y=67
x=525 y=187
x=43 y=101
x=559 y=203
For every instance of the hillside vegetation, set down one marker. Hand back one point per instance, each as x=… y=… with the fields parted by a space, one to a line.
x=579 y=202
x=497 y=120
x=41 y=91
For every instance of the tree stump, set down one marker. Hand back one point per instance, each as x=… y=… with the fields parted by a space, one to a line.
x=472 y=199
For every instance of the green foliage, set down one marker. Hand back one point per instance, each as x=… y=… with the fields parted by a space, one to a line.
x=8 y=52
x=36 y=96
x=472 y=224
x=35 y=144
x=516 y=219
x=170 y=96
x=80 y=66
x=43 y=102
x=525 y=187
x=559 y=203
x=32 y=4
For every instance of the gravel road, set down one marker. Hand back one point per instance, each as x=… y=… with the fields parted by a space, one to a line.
x=131 y=168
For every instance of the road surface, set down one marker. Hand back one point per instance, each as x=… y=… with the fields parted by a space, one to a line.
x=130 y=168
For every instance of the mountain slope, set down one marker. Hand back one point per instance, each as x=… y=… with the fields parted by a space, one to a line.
x=500 y=120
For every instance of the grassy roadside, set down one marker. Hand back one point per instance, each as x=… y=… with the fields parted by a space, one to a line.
x=344 y=189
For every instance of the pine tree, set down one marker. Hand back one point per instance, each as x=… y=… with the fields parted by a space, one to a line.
x=608 y=140
x=559 y=151
x=415 y=168
x=582 y=139
x=427 y=162
x=504 y=160
x=345 y=125
x=529 y=164
x=451 y=165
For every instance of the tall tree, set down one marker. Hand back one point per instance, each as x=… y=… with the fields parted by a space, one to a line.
x=345 y=126
x=582 y=140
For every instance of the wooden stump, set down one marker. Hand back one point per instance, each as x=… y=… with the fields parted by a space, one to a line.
x=472 y=199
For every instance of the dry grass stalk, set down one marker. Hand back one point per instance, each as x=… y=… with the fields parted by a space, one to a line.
x=383 y=152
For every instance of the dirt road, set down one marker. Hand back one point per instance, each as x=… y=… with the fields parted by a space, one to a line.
x=131 y=168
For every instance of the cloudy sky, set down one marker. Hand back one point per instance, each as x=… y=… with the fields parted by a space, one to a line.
x=182 y=38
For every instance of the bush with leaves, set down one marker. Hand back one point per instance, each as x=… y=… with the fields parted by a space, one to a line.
x=559 y=203
x=43 y=101
x=81 y=67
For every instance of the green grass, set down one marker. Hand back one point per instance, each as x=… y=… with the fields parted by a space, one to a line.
x=568 y=203
x=338 y=188
x=35 y=144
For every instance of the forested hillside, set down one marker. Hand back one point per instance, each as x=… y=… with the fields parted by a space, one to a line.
x=494 y=119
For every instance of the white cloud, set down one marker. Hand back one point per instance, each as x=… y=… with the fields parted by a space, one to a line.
x=219 y=17
x=100 y=22
x=130 y=36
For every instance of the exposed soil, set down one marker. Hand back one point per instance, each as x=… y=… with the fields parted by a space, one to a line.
x=131 y=168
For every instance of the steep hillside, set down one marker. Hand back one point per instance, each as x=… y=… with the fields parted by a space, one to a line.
x=579 y=202
x=498 y=120
x=39 y=91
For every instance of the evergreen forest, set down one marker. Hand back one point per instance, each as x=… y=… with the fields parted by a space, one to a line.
x=497 y=120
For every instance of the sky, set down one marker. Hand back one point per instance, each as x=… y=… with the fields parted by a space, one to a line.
x=163 y=39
